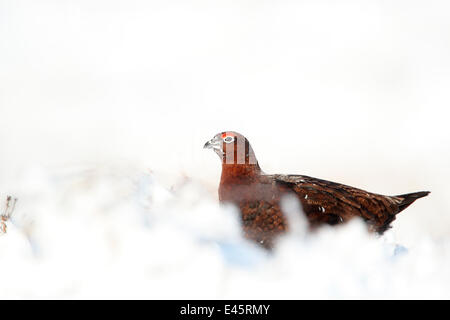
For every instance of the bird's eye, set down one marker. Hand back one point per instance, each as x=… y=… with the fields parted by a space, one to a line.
x=228 y=139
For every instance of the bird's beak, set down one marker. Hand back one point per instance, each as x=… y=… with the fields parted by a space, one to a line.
x=207 y=145
x=214 y=143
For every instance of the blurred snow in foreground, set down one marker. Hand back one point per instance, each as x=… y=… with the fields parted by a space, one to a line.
x=120 y=233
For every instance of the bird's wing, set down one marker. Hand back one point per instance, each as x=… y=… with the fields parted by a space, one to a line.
x=331 y=202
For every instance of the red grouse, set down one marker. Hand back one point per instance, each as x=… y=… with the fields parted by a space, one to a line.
x=258 y=195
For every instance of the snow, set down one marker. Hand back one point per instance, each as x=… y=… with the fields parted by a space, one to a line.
x=105 y=108
x=118 y=233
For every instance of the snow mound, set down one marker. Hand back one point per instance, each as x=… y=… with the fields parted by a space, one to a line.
x=120 y=233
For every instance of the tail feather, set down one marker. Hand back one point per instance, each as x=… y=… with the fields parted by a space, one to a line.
x=408 y=198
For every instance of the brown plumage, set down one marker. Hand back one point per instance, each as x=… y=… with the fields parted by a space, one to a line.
x=258 y=195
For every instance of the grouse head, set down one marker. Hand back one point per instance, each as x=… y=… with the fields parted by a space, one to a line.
x=234 y=151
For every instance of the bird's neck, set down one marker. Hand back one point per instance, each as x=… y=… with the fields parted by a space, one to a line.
x=239 y=173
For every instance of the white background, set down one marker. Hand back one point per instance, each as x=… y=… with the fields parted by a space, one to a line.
x=350 y=91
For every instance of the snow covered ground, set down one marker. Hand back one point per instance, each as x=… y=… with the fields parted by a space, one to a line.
x=121 y=234
x=105 y=107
